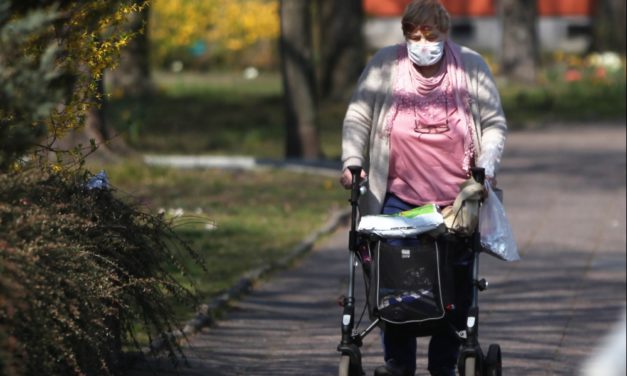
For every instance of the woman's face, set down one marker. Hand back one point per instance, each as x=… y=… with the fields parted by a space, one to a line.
x=423 y=33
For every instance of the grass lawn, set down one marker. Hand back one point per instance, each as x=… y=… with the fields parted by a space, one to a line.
x=237 y=220
x=217 y=113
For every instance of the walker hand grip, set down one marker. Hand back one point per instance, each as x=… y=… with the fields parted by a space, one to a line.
x=355 y=180
x=355 y=177
x=355 y=172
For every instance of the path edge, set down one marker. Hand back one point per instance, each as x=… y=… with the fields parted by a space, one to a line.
x=207 y=313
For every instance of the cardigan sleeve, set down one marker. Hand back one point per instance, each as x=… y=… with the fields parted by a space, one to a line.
x=493 y=124
x=358 y=121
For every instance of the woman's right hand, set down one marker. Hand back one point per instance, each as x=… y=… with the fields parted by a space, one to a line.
x=347 y=178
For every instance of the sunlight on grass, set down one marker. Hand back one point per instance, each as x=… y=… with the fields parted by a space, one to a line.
x=237 y=220
x=230 y=84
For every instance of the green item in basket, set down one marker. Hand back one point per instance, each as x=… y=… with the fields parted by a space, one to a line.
x=415 y=212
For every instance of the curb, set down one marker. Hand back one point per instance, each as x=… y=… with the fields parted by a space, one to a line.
x=321 y=167
x=205 y=316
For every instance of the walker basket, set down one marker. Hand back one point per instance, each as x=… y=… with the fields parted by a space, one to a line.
x=407 y=282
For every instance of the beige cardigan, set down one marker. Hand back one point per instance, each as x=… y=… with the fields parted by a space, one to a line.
x=364 y=139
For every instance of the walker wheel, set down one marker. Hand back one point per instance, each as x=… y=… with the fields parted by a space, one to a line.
x=493 y=361
x=345 y=364
x=470 y=366
x=470 y=363
x=346 y=368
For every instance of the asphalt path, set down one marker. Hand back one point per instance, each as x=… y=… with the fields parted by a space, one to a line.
x=550 y=312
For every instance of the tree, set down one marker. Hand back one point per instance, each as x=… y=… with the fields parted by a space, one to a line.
x=520 y=49
x=299 y=82
x=608 y=26
x=211 y=31
x=31 y=84
x=79 y=268
x=95 y=130
x=131 y=77
x=342 y=54
x=52 y=57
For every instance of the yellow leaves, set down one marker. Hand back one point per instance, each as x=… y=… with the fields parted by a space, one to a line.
x=15 y=166
x=243 y=23
x=234 y=44
x=56 y=168
x=120 y=43
x=90 y=39
x=178 y=23
x=233 y=25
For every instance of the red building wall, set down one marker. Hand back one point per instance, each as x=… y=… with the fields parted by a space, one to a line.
x=480 y=8
x=566 y=7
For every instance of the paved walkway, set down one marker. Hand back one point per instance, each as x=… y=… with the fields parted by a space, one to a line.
x=565 y=196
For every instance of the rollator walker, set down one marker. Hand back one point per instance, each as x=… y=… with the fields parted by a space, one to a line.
x=414 y=302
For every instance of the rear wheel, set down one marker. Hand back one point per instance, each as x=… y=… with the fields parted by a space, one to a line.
x=493 y=361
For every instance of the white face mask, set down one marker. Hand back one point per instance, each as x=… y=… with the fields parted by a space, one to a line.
x=425 y=54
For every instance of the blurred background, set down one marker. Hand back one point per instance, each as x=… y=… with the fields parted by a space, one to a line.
x=212 y=76
x=201 y=67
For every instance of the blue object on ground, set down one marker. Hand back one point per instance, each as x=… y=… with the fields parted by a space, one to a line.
x=98 y=181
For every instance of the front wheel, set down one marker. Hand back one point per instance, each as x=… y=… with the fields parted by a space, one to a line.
x=493 y=361
x=348 y=368
x=470 y=366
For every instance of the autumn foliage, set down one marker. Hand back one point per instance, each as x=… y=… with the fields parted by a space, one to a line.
x=213 y=31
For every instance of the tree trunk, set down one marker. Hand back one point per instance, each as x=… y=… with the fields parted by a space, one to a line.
x=342 y=54
x=131 y=77
x=520 y=49
x=608 y=25
x=111 y=146
x=299 y=83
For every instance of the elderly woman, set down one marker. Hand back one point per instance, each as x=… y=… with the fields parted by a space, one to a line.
x=423 y=113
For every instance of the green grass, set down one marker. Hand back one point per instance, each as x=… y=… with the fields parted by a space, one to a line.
x=237 y=220
x=216 y=114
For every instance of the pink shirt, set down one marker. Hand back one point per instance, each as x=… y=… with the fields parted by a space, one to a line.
x=426 y=141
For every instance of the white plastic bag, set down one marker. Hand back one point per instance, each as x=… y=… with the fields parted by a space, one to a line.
x=404 y=224
x=497 y=237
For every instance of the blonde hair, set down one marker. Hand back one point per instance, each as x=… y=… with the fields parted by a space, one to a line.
x=420 y=12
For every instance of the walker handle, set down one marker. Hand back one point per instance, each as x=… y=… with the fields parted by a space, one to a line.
x=355 y=180
x=355 y=177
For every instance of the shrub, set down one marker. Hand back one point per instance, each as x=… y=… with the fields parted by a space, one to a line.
x=80 y=269
x=571 y=88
